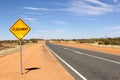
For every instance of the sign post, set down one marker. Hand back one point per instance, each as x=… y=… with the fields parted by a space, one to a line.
x=20 y=57
x=19 y=30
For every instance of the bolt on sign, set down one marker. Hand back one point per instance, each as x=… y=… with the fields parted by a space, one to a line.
x=19 y=29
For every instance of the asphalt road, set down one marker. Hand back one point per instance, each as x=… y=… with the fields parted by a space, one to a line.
x=87 y=65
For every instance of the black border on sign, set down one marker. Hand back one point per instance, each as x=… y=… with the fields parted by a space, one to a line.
x=14 y=24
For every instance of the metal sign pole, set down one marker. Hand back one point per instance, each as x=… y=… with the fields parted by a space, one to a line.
x=21 y=58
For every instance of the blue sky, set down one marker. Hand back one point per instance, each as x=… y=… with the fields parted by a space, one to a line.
x=64 y=19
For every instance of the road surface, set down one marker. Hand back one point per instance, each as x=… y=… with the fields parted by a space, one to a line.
x=87 y=65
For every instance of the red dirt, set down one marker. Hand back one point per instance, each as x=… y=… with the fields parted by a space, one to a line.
x=42 y=64
x=90 y=47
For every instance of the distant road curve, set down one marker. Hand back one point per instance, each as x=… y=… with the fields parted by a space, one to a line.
x=87 y=65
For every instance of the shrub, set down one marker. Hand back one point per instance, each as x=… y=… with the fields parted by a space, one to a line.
x=0 y=44
x=100 y=43
x=22 y=42
x=106 y=42
x=34 y=40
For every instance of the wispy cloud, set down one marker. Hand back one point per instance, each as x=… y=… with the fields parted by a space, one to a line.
x=52 y=32
x=82 y=7
x=33 y=13
x=60 y=22
x=49 y=34
x=21 y=15
x=88 y=19
x=114 y=28
x=115 y=0
x=44 y=31
x=88 y=7
x=60 y=30
x=111 y=31
x=30 y=19
x=35 y=8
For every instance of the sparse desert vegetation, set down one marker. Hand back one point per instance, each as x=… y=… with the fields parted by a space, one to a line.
x=12 y=43
x=98 y=41
x=107 y=45
x=8 y=46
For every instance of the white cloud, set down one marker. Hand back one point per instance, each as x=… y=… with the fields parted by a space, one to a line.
x=105 y=32
x=22 y=15
x=44 y=31
x=111 y=31
x=83 y=7
x=52 y=31
x=115 y=34
x=49 y=34
x=60 y=22
x=60 y=30
x=115 y=0
x=33 y=13
x=30 y=19
x=88 y=19
x=114 y=28
x=35 y=8
x=88 y=7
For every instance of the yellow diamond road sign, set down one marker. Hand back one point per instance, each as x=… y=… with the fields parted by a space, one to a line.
x=19 y=29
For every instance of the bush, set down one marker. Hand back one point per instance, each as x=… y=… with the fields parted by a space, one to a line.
x=115 y=43
x=34 y=40
x=22 y=42
x=0 y=44
x=27 y=41
x=100 y=43
x=106 y=42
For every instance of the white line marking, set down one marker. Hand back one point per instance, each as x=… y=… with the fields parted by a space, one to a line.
x=93 y=56
x=73 y=51
x=80 y=75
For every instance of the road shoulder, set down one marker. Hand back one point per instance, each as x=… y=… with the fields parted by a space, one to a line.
x=38 y=63
x=107 y=50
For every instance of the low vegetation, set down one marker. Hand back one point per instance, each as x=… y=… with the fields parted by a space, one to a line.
x=99 y=41
x=24 y=41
